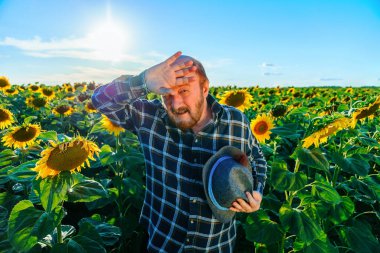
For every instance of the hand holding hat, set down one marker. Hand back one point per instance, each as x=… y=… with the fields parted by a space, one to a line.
x=254 y=203
x=227 y=177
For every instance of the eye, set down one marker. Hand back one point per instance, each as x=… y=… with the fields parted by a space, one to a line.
x=182 y=91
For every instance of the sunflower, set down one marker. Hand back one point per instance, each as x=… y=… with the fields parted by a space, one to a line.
x=90 y=107
x=21 y=136
x=66 y=156
x=365 y=112
x=80 y=86
x=11 y=91
x=6 y=118
x=4 y=83
x=48 y=93
x=279 y=110
x=111 y=127
x=70 y=96
x=349 y=90
x=34 y=88
x=291 y=90
x=36 y=102
x=321 y=135
x=63 y=110
x=241 y=99
x=69 y=89
x=261 y=127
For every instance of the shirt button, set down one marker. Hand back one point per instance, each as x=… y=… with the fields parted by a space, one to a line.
x=187 y=240
x=191 y=221
x=196 y=140
x=194 y=201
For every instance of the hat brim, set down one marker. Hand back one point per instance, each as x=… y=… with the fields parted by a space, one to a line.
x=238 y=155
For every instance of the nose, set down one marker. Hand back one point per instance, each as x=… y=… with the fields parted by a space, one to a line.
x=176 y=102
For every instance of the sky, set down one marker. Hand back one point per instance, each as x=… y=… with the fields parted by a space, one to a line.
x=244 y=43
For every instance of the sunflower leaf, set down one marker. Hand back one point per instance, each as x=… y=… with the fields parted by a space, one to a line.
x=312 y=158
x=29 y=119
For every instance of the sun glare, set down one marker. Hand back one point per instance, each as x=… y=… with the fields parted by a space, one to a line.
x=108 y=40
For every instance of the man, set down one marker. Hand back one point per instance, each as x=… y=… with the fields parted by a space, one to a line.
x=177 y=137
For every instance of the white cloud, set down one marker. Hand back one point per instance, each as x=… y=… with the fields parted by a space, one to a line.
x=265 y=65
x=81 y=74
x=330 y=79
x=272 y=74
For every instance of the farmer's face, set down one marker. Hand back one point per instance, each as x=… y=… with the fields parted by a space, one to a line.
x=185 y=105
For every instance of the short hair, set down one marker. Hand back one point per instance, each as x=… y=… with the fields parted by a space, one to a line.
x=200 y=69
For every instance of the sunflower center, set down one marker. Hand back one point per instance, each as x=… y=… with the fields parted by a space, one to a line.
x=47 y=92
x=34 y=87
x=10 y=91
x=90 y=106
x=3 y=83
x=69 y=158
x=3 y=115
x=39 y=102
x=261 y=127
x=236 y=99
x=62 y=109
x=25 y=134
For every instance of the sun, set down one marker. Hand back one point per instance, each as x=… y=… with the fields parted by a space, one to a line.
x=109 y=40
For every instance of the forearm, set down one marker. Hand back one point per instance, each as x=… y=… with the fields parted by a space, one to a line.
x=119 y=93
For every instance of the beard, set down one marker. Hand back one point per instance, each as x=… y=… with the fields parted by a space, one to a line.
x=175 y=115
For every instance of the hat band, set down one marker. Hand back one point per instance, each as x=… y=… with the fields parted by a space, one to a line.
x=210 y=193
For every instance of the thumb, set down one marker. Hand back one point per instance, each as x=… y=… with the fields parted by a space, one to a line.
x=257 y=195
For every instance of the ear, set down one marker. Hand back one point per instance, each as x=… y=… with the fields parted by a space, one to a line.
x=205 y=88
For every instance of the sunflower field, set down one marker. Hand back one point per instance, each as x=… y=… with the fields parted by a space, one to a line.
x=72 y=181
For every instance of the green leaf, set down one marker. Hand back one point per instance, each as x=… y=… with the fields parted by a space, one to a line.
x=52 y=190
x=23 y=172
x=6 y=157
x=26 y=225
x=285 y=132
x=360 y=238
x=86 y=191
x=29 y=119
x=96 y=230
x=48 y=135
x=98 y=127
x=325 y=192
x=312 y=158
x=3 y=219
x=342 y=211
x=259 y=228
x=284 y=180
x=319 y=245
x=351 y=165
x=298 y=223
x=78 y=244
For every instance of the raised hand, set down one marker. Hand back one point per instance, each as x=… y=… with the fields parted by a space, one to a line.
x=169 y=74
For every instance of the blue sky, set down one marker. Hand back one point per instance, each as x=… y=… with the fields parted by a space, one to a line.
x=243 y=43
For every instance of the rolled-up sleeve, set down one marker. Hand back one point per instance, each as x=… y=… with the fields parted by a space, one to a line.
x=119 y=100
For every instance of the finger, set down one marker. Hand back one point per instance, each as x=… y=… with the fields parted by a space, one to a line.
x=184 y=80
x=244 y=205
x=257 y=196
x=237 y=206
x=182 y=65
x=234 y=209
x=252 y=201
x=174 y=57
x=186 y=71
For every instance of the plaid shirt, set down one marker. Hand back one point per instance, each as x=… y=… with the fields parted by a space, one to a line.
x=175 y=212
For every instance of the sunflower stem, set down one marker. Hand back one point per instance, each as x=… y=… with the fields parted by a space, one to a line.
x=59 y=233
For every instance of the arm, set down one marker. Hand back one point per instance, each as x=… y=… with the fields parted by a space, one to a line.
x=116 y=100
x=119 y=100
